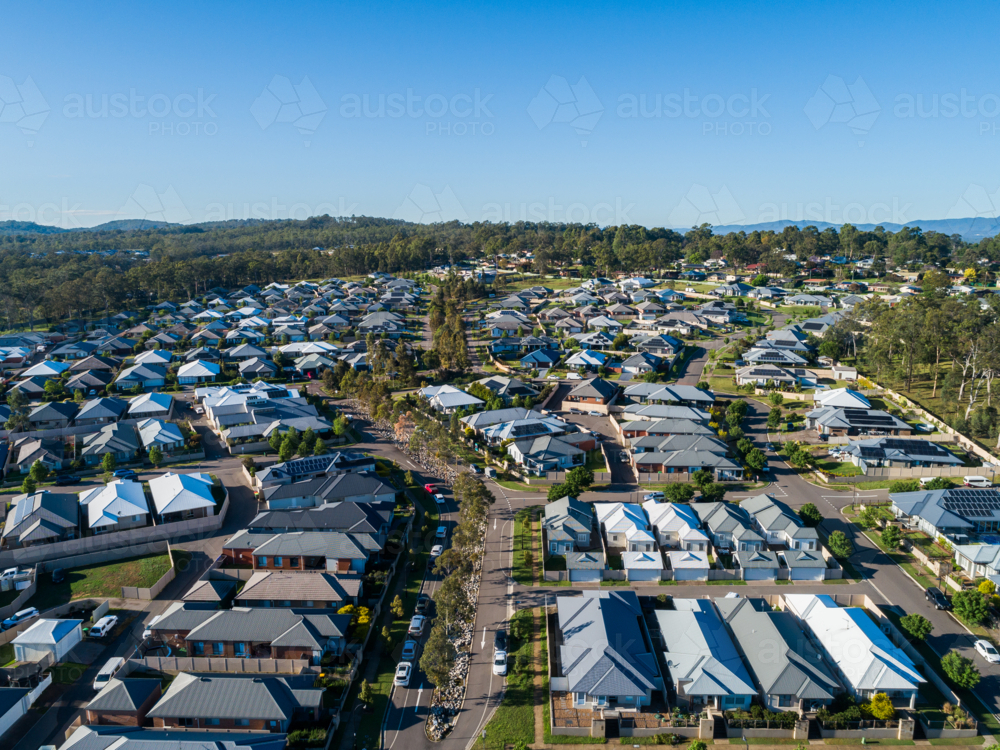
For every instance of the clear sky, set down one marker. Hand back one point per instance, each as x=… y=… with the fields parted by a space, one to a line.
x=663 y=114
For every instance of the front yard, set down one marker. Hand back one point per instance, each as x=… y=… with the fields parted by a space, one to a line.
x=102 y=581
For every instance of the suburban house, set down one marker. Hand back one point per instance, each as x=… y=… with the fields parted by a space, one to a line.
x=284 y=589
x=52 y=415
x=756 y=564
x=48 y=640
x=766 y=375
x=351 y=487
x=657 y=393
x=978 y=560
x=899 y=452
x=507 y=388
x=843 y=398
x=330 y=464
x=949 y=512
x=25 y=451
x=357 y=518
x=117 y=506
x=729 y=526
x=567 y=525
x=119 y=440
x=676 y=526
x=788 y=671
x=267 y=703
x=157 y=405
x=831 y=420
x=689 y=565
x=664 y=428
x=643 y=566
x=702 y=661
x=547 y=453
x=179 y=497
x=602 y=655
x=143 y=377
x=595 y=392
x=586 y=567
x=124 y=702
x=866 y=661
x=625 y=526
x=262 y=633
x=448 y=399
x=164 y=435
x=100 y=411
x=41 y=518
x=199 y=371
x=779 y=524
x=302 y=551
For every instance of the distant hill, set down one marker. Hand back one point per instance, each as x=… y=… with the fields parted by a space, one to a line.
x=126 y=225
x=971 y=229
x=28 y=227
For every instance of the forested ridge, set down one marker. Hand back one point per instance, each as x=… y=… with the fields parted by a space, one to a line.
x=70 y=274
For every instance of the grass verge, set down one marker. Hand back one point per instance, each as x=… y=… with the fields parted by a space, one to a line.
x=514 y=720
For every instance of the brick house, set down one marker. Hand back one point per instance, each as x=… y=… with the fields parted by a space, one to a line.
x=124 y=702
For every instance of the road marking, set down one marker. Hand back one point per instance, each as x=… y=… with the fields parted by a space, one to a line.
x=483 y=643
x=420 y=692
x=494 y=523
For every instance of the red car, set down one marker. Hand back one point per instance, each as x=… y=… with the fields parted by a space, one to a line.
x=429 y=489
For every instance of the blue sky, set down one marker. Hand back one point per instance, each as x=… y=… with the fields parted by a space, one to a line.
x=540 y=111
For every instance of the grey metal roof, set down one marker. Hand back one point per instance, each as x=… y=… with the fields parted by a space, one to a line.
x=603 y=649
x=124 y=695
x=340 y=516
x=780 y=656
x=329 y=544
x=761 y=559
x=143 y=738
x=592 y=560
x=774 y=515
x=330 y=488
x=181 y=617
x=319 y=587
x=267 y=625
x=237 y=697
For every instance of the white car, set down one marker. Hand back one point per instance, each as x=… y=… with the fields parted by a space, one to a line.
x=986 y=650
x=18 y=617
x=439 y=499
x=417 y=625
x=104 y=626
x=436 y=550
x=500 y=663
x=148 y=632
x=653 y=496
x=409 y=650
x=403 y=670
x=594 y=414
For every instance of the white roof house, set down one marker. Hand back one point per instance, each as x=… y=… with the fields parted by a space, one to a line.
x=46 y=368
x=864 y=656
x=157 y=432
x=448 y=398
x=844 y=398
x=114 y=503
x=150 y=405
x=198 y=371
x=55 y=637
x=625 y=525
x=180 y=493
x=676 y=525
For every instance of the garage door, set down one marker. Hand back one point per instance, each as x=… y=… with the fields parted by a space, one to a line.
x=643 y=575
x=585 y=576
x=760 y=574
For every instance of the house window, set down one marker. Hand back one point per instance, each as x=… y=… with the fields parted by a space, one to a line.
x=262 y=561
x=199 y=648
x=731 y=700
x=308 y=603
x=583 y=538
x=136 y=519
x=785 y=701
x=218 y=649
x=213 y=722
x=241 y=649
x=581 y=699
x=277 y=562
x=293 y=562
x=243 y=722
x=601 y=700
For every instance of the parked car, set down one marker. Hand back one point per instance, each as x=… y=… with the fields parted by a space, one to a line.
x=500 y=640
x=500 y=663
x=423 y=604
x=474 y=469
x=58 y=575
x=111 y=666
x=977 y=481
x=9 y=573
x=937 y=598
x=104 y=626
x=986 y=650
x=653 y=496
x=148 y=632
x=67 y=479
x=18 y=617
x=624 y=458
x=409 y=650
x=417 y=625
x=403 y=670
x=594 y=414
x=124 y=474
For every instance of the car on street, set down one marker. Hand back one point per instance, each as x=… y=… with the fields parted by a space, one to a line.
x=429 y=489
x=409 y=650
x=500 y=663
x=18 y=617
x=987 y=651
x=403 y=670
x=439 y=499
x=124 y=474
x=594 y=414
x=500 y=640
x=417 y=625
x=935 y=596
x=653 y=496
x=441 y=533
x=770 y=447
x=423 y=604
x=436 y=550
x=624 y=458
x=67 y=479
x=104 y=626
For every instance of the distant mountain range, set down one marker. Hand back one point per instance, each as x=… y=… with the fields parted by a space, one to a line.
x=972 y=229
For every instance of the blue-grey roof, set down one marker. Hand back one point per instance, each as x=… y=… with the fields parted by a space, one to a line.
x=603 y=649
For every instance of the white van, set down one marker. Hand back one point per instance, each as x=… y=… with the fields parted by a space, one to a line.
x=924 y=481
x=977 y=481
x=107 y=672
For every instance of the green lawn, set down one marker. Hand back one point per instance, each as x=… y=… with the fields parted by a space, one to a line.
x=6 y=654
x=514 y=720
x=523 y=571
x=595 y=461
x=105 y=580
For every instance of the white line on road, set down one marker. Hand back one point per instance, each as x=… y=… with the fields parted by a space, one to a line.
x=494 y=523
x=483 y=643
x=420 y=692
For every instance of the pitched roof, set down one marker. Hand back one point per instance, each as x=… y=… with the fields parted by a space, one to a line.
x=124 y=695
x=173 y=493
x=227 y=696
x=321 y=587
